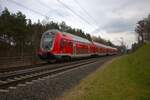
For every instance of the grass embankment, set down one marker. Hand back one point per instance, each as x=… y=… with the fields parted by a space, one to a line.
x=126 y=78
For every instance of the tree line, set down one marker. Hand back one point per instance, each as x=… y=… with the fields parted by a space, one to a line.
x=143 y=30
x=20 y=36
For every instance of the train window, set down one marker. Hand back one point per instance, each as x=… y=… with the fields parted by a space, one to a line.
x=70 y=44
x=65 y=43
x=47 y=41
x=62 y=43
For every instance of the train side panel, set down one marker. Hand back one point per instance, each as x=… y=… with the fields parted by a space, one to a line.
x=68 y=45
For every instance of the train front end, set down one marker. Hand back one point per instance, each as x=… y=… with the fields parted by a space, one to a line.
x=47 y=45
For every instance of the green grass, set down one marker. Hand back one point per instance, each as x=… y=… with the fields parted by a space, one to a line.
x=126 y=78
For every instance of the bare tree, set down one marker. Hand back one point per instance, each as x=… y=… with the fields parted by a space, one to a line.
x=143 y=30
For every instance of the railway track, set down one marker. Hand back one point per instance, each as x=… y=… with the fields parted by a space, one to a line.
x=9 y=69
x=14 y=78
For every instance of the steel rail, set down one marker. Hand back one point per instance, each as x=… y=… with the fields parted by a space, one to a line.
x=26 y=77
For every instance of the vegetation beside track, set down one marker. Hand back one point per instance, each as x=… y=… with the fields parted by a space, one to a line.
x=126 y=78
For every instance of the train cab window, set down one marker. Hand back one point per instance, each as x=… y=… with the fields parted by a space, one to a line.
x=47 y=40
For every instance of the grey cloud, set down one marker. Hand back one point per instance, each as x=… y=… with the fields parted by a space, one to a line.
x=58 y=13
x=112 y=16
x=116 y=26
x=121 y=16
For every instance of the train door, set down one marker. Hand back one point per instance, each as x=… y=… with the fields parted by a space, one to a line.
x=74 y=48
x=71 y=47
x=63 y=46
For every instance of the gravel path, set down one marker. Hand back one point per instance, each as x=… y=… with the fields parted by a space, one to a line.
x=50 y=87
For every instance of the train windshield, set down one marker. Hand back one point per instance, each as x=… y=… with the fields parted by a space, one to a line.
x=47 y=40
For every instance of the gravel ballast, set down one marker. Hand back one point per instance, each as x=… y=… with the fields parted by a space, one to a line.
x=48 y=88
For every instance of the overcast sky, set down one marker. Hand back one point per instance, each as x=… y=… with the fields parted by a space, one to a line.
x=113 y=20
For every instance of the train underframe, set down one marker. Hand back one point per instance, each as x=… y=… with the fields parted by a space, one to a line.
x=50 y=57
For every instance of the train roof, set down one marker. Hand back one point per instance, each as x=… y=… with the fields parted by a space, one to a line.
x=52 y=30
x=75 y=38
x=104 y=46
x=78 y=38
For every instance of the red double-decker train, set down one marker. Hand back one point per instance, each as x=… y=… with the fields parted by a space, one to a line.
x=56 y=45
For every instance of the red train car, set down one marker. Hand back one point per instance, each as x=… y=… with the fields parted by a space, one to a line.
x=105 y=50
x=56 y=45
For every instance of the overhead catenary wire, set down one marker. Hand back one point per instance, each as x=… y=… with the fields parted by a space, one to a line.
x=66 y=6
x=39 y=13
x=87 y=13
x=46 y=6
x=23 y=6
x=43 y=4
